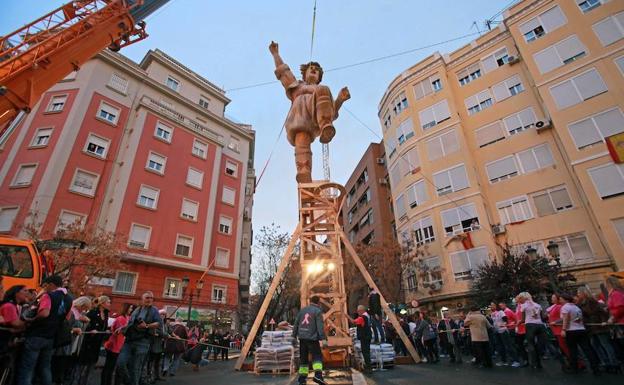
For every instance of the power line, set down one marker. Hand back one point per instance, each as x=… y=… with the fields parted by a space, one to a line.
x=368 y=61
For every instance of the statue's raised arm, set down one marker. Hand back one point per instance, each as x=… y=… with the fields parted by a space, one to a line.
x=312 y=112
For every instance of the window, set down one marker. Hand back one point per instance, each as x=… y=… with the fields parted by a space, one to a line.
x=501 y=169
x=405 y=130
x=478 y=102
x=578 y=89
x=535 y=158
x=423 y=231
x=184 y=246
x=156 y=163
x=610 y=29
x=173 y=288
x=204 y=102
x=139 y=236
x=514 y=210
x=573 y=249
x=367 y=219
x=68 y=218
x=551 y=201
x=228 y=196
x=410 y=161
x=57 y=103
x=469 y=74
x=451 y=180
x=588 y=5
x=391 y=145
x=620 y=63
x=427 y=87
x=387 y=122
x=15 y=261
x=464 y=263
x=218 y=294
x=148 y=197
x=365 y=198
x=223 y=258
x=400 y=209
x=432 y=263
x=118 y=83
x=460 y=219
x=520 y=121
x=24 y=175
x=108 y=113
x=442 y=145
x=619 y=228
x=41 y=138
x=125 y=282
x=97 y=146
x=497 y=59
x=544 y=23
x=434 y=115
x=7 y=217
x=163 y=132
x=412 y=281
x=417 y=194
x=234 y=144
x=489 y=134
x=397 y=171
x=84 y=183
x=200 y=149
x=173 y=84
x=559 y=54
x=189 y=209
x=225 y=225
x=195 y=177
x=507 y=88
x=399 y=103
x=608 y=179
x=231 y=168
x=596 y=128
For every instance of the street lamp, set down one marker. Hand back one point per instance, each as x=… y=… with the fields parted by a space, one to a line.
x=553 y=250
x=531 y=252
x=198 y=287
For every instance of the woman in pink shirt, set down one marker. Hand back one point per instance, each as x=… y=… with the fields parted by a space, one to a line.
x=520 y=333
x=555 y=322
x=615 y=303
x=114 y=343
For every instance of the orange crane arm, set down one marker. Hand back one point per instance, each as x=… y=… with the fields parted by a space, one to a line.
x=40 y=54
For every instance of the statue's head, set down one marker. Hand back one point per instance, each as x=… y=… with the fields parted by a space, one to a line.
x=312 y=72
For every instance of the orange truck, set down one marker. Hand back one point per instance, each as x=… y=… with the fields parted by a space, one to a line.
x=21 y=263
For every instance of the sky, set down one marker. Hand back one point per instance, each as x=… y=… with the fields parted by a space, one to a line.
x=227 y=43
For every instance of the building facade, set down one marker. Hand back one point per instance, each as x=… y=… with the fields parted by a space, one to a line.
x=143 y=150
x=367 y=213
x=502 y=142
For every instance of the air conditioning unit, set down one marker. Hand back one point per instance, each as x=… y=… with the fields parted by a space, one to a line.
x=542 y=126
x=511 y=60
x=435 y=286
x=381 y=161
x=498 y=229
x=383 y=181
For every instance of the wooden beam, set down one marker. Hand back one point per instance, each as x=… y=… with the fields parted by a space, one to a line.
x=384 y=304
x=267 y=299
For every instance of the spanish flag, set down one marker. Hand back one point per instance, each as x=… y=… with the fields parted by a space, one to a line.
x=615 y=144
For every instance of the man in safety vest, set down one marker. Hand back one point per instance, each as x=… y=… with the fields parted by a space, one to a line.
x=309 y=329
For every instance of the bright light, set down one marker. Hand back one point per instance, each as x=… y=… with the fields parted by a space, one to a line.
x=318 y=267
x=444 y=308
x=314 y=267
x=331 y=266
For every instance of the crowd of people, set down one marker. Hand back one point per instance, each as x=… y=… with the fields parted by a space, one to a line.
x=579 y=330
x=52 y=338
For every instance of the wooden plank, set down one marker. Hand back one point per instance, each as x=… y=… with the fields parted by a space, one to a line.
x=267 y=299
x=384 y=304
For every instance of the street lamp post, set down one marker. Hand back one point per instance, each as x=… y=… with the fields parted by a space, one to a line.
x=198 y=287
x=553 y=250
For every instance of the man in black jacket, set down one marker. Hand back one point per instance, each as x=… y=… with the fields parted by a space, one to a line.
x=374 y=309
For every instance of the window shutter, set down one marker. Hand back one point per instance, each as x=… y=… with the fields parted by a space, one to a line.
x=547 y=60
x=489 y=64
x=608 y=180
x=7 y=216
x=543 y=205
x=411 y=196
x=229 y=196
x=400 y=206
x=441 y=180
x=501 y=91
x=619 y=228
x=529 y=25
x=195 y=177
x=570 y=47
x=471 y=101
x=477 y=257
x=490 y=133
x=450 y=218
x=561 y=199
x=24 y=175
x=484 y=95
x=140 y=234
x=407 y=127
x=543 y=155
x=434 y=148
x=441 y=111
x=418 y=90
x=512 y=122
x=553 y=19
x=395 y=174
x=527 y=116
x=565 y=95
x=610 y=122
x=426 y=116
x=590 y=84
x=412 y=159
x=467 y=212
x=421 y=191
x=501 y=168
x=459 y=178
x=459 y=262
x=609 y=30
x=580 y=248
x=189 y=208
x=528 y=161
x=584 y=133
x=449 y=142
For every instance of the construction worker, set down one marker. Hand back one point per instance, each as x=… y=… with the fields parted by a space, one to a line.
x=308 y=328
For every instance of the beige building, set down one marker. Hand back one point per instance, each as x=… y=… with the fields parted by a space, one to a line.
x=502 y=142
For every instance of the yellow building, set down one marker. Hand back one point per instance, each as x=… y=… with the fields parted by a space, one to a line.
x=502 y=142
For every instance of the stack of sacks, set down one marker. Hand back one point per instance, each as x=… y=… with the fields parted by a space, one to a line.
x=276 y=351
x=379 y=352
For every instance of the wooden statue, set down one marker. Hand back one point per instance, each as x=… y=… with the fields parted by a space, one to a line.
x=312 y=111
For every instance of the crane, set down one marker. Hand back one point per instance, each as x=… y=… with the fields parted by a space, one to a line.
x=36 y=56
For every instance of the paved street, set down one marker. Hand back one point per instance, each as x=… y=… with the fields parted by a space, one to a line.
x=222 y=373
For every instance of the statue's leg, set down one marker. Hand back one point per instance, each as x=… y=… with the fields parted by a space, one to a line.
x=324 y=113
x=303 y=157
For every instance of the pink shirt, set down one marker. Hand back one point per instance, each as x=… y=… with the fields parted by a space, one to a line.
x=616 y=305
x=45 y=302
x=8 y=311
x=116 y=341
x=511 y=318
x=554 y=315
x=520 y=328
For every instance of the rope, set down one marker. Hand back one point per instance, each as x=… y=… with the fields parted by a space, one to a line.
x=313 y=29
